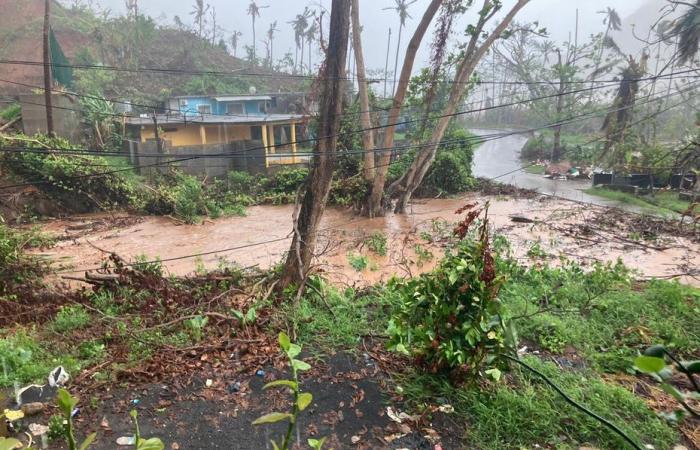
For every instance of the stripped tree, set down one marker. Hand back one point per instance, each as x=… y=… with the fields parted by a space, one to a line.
x=363 y=88
x=318 y=184
x=479 y=43
x=375 y=204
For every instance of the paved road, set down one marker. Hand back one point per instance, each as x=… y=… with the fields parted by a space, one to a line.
x=499 y=156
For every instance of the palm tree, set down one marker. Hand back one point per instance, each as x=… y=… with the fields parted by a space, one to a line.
x=199 y=12
x=310 y=35
x=401 y=9
x=253 y=12
x=271 y=37
x=613 y=22
x=234 y=41
x=299 y=24
x=688 y=29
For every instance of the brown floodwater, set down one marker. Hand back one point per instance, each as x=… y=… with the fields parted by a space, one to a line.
x=414 y=242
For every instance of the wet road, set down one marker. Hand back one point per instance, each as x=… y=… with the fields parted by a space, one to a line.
x=502 y=156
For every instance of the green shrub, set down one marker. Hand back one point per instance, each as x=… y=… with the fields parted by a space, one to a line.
x=16 y=267
x=11 y=112
x=450 y=173
x=451 y=318
x=241 y=182
x=377 y=243
x=24 y=360
x=536 y=148
x=79 y=183
x=70 y=318
x=358 y=262
x=287 y=181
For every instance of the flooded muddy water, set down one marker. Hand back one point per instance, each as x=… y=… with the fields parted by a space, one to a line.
x=415 y=241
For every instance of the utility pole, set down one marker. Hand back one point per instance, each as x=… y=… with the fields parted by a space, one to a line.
x=386 y=65
x=48 y=84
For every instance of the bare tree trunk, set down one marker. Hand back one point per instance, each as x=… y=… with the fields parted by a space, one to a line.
x=318 y=183
x=375 y=207
x=363 y=87
x=48 y=84
x=409 y=182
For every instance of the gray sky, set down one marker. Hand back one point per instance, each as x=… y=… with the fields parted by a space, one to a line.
x=557 y=15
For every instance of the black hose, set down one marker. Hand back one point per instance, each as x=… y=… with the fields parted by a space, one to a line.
x=578 y=406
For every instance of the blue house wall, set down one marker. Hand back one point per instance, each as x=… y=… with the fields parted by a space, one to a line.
x=251 y=107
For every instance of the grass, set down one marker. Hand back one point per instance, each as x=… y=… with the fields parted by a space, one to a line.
x=662 y=203
x=537 y=169
x=601 y=314
x=522 y=412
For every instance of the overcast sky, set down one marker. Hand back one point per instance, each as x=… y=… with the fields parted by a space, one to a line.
x=557 y=15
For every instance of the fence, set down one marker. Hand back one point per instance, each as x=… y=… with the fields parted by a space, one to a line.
x=248 y=156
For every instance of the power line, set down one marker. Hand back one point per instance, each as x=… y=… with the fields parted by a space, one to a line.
x=592 y=114
x=481 y=139
x=411 y=121
x=238 y=73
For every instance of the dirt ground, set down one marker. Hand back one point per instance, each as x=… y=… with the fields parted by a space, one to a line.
x=349 y=408
x=544 y=230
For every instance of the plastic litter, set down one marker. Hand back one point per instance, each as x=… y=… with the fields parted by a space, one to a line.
x=58 y=377
x=260 y=373
x=209 y=383
x=135 y=401
x=38 y=429
x=126 y=441
x=234 y=387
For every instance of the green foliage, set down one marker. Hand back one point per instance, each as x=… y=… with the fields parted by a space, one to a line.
x=143 y=264
x=451 y=318
x=77 y=183
x=301 y=401
x=328 y=317
x=599 y=313
x=377 y=243
x=66 y=404
x=16 y=267
x=141 y=443
x=451 y=171
x=196 y=327
x=24 y=359
x=189 y=199
x=358 y=262
x=653 y=362
x=11 y=112
x=524 y=412
x=71 y=318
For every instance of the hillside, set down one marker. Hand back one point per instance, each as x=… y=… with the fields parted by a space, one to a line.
x=123 y=43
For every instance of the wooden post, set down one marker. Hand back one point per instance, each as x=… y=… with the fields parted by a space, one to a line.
x=48 y=84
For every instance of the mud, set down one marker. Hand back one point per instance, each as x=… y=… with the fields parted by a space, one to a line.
x=415 y=242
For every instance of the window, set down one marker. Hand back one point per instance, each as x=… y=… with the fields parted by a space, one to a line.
x=204 y=109
x=234 y=108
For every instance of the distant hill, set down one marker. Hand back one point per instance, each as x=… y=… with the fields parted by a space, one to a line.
x=125 y=43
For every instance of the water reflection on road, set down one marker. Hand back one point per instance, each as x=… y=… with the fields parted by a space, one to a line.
x=502 y=156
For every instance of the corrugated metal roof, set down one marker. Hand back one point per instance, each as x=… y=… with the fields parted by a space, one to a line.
x=242 y=98
x=194 y=118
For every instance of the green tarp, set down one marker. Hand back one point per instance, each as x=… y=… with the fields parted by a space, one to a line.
x=62 y=74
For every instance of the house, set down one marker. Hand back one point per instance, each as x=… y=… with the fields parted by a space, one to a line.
x=231 y=122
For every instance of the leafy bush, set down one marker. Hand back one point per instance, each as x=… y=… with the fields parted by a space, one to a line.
x=451 y=318
x=358 y=262
x=25 y=360
x=377 y=243
x=11 y=112
x=70 y=318
x=78 y=183
x=536 y=148
x=16 y=267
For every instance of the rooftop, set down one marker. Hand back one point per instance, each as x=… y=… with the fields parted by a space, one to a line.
x=204 y=119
